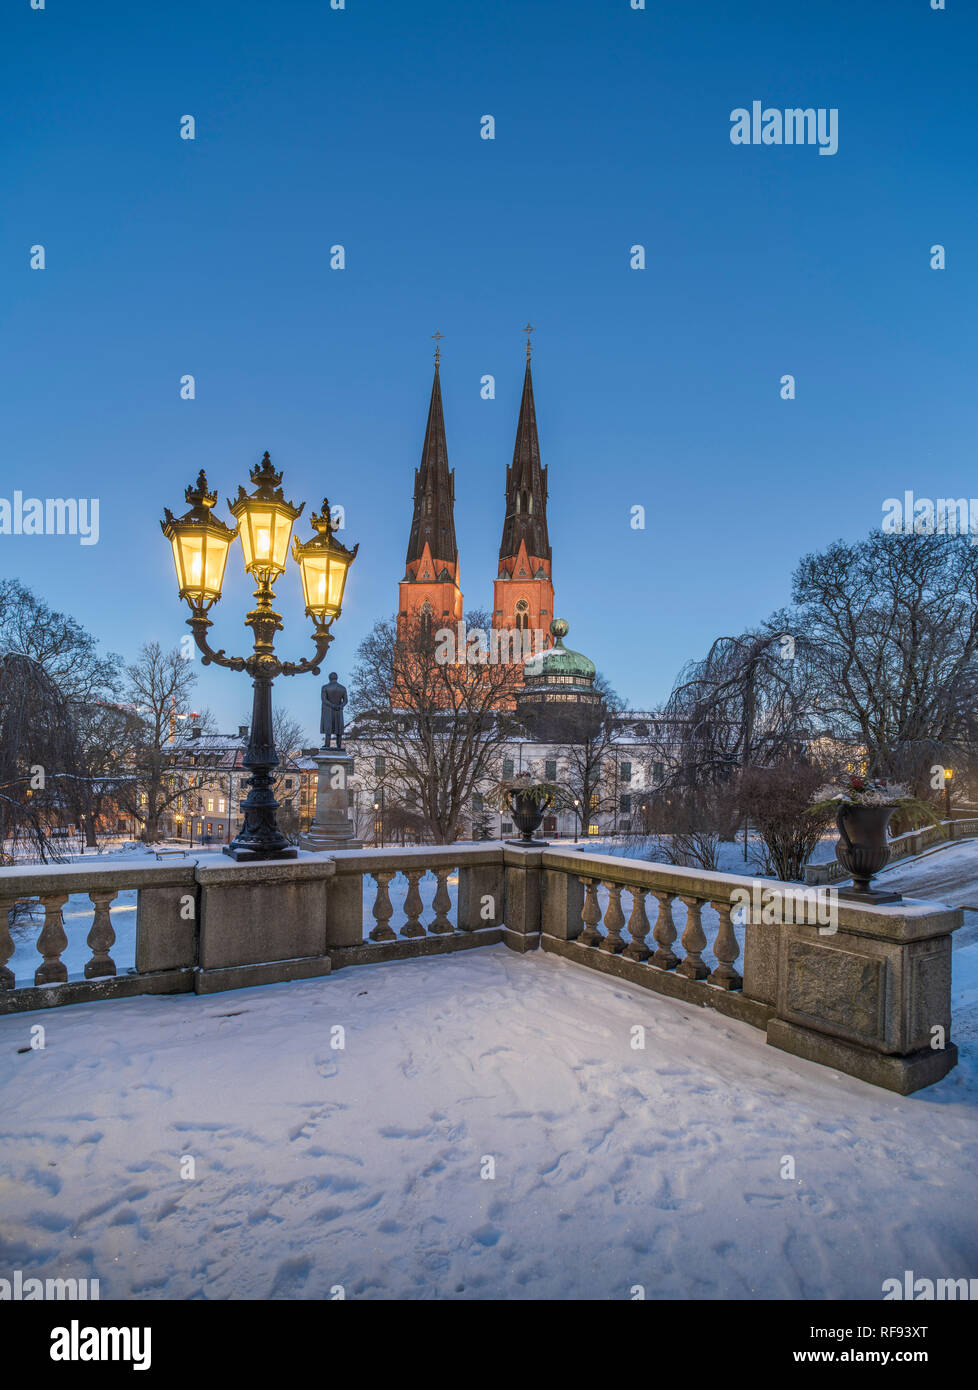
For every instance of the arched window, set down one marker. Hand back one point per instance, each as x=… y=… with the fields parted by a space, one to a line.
x=425 y=616
x=522 y=615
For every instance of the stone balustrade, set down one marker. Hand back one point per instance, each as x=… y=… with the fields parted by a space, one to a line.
x=869 y=994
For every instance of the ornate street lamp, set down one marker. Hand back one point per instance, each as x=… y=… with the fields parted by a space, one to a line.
x=200 y=547
x=948 y=774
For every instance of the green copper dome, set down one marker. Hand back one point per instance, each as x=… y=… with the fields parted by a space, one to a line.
x=559 y=660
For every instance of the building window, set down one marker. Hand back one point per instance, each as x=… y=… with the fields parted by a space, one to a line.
x=507 y=827
x=658 y=771
x=288 y=784
x=550 y=769
x=210 y=803
x=592 y=830
x=220 y=806
x=593 y=803
x=478 y=801
x=507 y=767
x=522 y=615
x=380 y=765
x=624 y=803
x=626 y=772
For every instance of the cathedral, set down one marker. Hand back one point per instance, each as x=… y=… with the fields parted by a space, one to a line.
x=523 y=591
x=557 y=705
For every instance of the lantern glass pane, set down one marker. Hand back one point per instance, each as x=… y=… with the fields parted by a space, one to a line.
x=337 y=580
x=190 y=569
x=216 y=562
x=265 y=537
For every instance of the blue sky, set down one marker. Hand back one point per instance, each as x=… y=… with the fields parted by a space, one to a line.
x=657 y=387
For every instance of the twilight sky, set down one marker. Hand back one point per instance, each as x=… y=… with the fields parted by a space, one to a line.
x=656 y=387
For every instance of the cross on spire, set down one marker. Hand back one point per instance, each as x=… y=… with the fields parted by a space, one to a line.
x=528 y=330
x=437 y=337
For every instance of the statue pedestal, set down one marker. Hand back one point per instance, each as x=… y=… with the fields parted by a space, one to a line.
x=332 y=827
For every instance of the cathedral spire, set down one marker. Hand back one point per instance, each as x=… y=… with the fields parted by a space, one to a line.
x=433 y=523
x=523 y=592
x=526 y=482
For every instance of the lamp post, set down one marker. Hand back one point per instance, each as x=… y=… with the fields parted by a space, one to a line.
x=376 y=821
x=577 y=803
x=948 y=774
x=201 y=542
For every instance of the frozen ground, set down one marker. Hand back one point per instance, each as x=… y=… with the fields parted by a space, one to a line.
x=363 y=1167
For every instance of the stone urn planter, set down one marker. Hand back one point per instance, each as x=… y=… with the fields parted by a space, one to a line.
x=862 y=849
x=527 y=808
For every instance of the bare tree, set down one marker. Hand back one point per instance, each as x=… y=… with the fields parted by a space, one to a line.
x=158 y=683
x=778 y=799
x=748 y=702
x=52 y=679
x=439 y=724
x=894 y=619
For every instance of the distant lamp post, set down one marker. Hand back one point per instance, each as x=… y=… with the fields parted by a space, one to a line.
x=948 y=774
x=200 y=544
x=378 y=826
x=577 y=802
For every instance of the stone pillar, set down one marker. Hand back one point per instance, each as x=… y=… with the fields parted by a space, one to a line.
x=263 y=922
x=872 y=997
x=523 y=898
x=563 y=901
x=332 y=827
x=480 y=896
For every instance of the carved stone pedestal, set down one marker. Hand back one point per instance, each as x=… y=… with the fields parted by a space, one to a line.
x=332 y=828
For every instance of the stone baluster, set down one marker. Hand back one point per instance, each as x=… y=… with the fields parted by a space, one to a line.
x=638 y=926
x=102 y=935
x=442 y=903
x=383 y=908
x=614 y=920
x=52 y=941
x=590 y=914
x=6 y=941
x=413 y=905
x=726 y=949
x=694 y=942
x=665 y=933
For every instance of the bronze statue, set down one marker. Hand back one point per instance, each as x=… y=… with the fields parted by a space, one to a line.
x=334 y=698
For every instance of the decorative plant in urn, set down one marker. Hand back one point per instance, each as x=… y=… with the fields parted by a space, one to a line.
x=526 y=799
x=863 y=808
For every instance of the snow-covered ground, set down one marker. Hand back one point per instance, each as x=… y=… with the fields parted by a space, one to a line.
x=366 y=1167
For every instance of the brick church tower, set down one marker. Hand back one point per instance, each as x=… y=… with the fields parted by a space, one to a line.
x=523 y=593
x=429 y=589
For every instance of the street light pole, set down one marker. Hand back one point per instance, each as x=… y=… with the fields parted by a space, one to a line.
x=200 y=548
